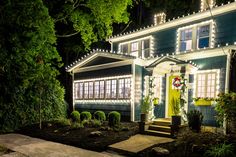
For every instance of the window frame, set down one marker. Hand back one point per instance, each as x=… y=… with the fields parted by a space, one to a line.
x=194 y=28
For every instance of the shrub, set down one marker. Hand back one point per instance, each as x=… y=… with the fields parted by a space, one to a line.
x=61 y=122
x=75 y=116
x=96 y=123
x=86 y=122
x=77 y=125
x=114 y=119
x=195 y=118
x=85 y=115
x=221 y=150
x=99 y=115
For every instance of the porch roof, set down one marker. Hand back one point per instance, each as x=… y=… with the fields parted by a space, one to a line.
x=98 y=57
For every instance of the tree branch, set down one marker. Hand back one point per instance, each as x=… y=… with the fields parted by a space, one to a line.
x=126 y=27
x=67 y=35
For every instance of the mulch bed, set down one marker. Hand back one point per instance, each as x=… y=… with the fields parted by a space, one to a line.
x=81 y=137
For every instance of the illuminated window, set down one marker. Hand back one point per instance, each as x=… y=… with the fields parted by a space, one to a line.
x=134 y=49
x=96 y=89
x=186 y=39
x=108 y=88
x=76 y=90
x=206 y=85
x=101 y=89
x=121 y=90
x=127 y=88
x=124 y=48
x=203 y=36
x=113 y=89
x=145 y=48
x=86 y=90
x=90 y=90
x=80 y=90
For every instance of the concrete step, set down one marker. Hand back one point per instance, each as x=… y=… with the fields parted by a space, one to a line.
x=160 y=128
x=158 y=133
x=162 y=122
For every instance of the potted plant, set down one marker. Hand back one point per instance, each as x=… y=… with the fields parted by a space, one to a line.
x=155 y=101
x=145 y=108
x=175 y=118
x=203 y=101
x=195 y=118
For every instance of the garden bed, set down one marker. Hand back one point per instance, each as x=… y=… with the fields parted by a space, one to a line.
x=4 y=150
x=81 y=137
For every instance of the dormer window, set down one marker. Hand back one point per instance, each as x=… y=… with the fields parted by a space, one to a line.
x=137 y=48
x=197 y=36
x=206 y=4
x=159 y=18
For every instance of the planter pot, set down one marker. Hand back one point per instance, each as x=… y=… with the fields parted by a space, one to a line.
x=176 y=120
x=202 y=102
x=144 y=117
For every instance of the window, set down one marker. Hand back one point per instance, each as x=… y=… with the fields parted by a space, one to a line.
x=195 y=36
x=116 y=88
x=108 y=88
x=134 y=49
x=113 y=89
x=86 y=90
x=101 y=89
x=206 y=85
x=145 y=49
x=186 y=40
x=90 y=90
x=124 y=48
x=137 y=48
x=203 y=36
x=96 y=89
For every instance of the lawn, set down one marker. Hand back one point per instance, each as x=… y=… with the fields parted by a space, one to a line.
x=81 y=137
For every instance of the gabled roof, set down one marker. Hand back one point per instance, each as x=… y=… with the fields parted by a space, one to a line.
x=175 y=22
x=98 y=57
x=166 y=59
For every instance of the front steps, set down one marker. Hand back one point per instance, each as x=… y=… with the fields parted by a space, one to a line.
x=160 y=127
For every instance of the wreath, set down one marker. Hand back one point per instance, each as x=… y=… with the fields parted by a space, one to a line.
x=177 y=82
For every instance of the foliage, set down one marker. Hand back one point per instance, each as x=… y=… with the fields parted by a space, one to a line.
x=28 y=60
x=77 y=125
x=86 y=122
x=61 y=122
x=99 y=115
x=175 y=105
x=146 y=104
x=85 y=115
x=90 y=20
x=114 y=119
x=195 y=118
x=220 y=150
x=204 y=98
x=96 y=123
x=226 y=107
x=75 y=116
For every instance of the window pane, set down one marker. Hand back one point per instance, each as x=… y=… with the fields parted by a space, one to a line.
x=102 y=89
x=108 y=88
x=127 y=88
x=186 y=40
x=121 y=90
x=76 y=90
x=86 y=90
x=96 y=89
x=145 y=44
x=134 y=46
x=203 y=36
x=81 y=90
x=90 y=89
x=124 y=48
x=113 y=88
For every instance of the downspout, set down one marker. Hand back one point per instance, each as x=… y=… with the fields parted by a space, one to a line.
x=73 y=94
x=111 y=45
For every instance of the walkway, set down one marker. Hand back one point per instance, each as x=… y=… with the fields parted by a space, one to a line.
x=138 y=143
x=32 y=147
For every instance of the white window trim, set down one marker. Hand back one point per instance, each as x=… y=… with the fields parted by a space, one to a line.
x=151 y=44
x=217 y=83
x=194 y=35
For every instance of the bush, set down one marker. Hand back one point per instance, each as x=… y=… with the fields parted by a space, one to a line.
x=221 y=150
x=96 y=123
x=114 y=119
x=86 y=122
x=77 y=125
x=195 y=118
x=85 y=115
x=61 y=122
x=75 y=116
x=99 y=115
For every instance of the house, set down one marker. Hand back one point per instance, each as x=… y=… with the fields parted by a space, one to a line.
x=198 y=47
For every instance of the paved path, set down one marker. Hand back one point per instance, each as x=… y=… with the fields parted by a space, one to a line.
x=138 y=143
x=32 y=147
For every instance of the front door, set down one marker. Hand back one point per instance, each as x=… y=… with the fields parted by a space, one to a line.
x=173 y=94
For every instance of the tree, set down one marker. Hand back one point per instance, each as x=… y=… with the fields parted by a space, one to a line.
x=28 y=63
